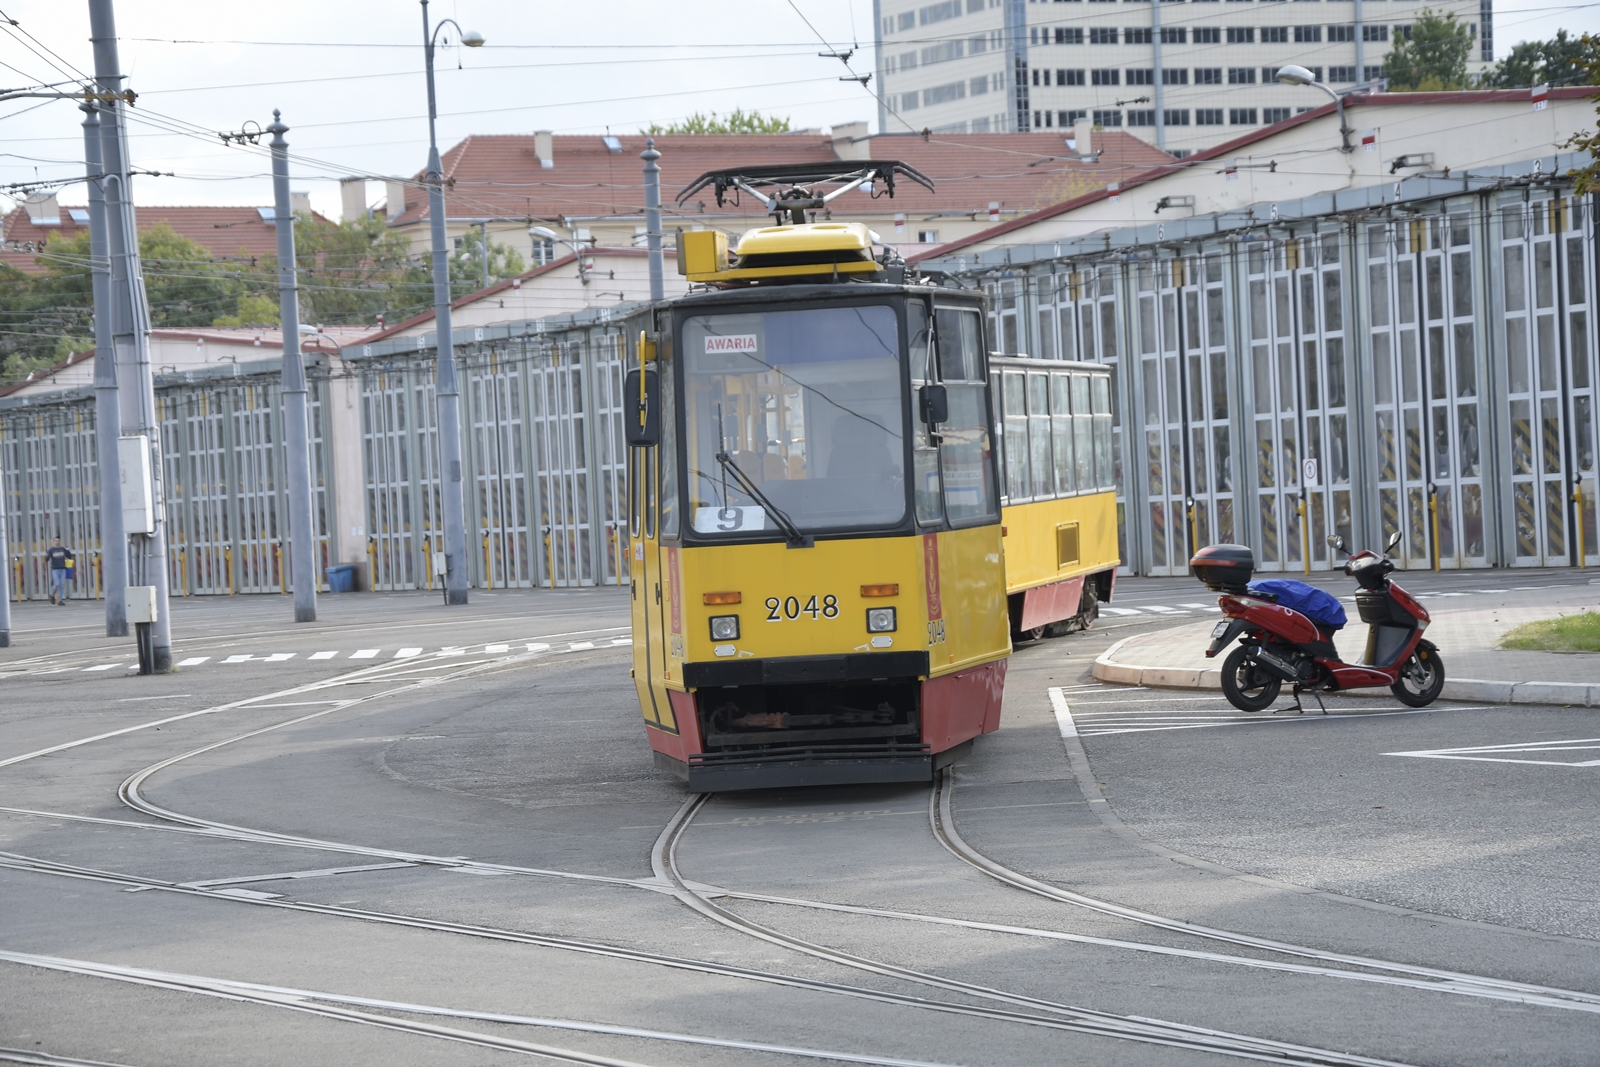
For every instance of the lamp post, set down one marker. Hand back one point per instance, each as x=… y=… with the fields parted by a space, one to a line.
x=446 y=391
x=544 y=233
x=1293 y=75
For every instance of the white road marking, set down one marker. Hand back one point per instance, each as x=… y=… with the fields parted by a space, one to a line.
x=193 y=661
x=579 y=645
x=279 y=657
x=365 y=653
x=538 y=647
x=1505 y=753
x=1201 y=607
x=407 y=653
x=1104 y=610
x=103 y=667
x=1058 y=702
x=238 y=659
x=453 y=650
x=622 y=640
x=323 y=655
x=496 y=648
x=1163 y=609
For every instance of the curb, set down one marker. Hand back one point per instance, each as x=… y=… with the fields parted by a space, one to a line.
x=1572 y=694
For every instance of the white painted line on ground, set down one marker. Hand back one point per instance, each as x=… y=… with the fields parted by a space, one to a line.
x=323 y=655
x=1058 y=702
x=1504 y=753
x=103 y=667
x=622 y=640
x=1268 y=718
x=454 y=650
x=279 y=657
x=1118 y=611
x=1148 y=700
x=365 y=653
x=238 y=659
x=497 y=648
x=538 y=647
x=407 y=653
x=1163 y=609
x=579 y=645
x=193 y=661
x=1201 y=607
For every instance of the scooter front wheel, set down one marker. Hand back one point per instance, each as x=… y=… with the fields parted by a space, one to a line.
x=1421 y=678
x=1246 y=684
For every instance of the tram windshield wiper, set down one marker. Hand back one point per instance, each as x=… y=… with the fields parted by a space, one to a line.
x=791 y=532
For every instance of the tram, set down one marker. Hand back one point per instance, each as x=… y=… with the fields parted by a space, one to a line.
x=821 y=521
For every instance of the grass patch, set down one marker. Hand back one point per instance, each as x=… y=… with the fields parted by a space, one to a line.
x=1571 y=633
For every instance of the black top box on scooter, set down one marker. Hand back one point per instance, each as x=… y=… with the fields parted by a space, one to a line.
x=1224 y=568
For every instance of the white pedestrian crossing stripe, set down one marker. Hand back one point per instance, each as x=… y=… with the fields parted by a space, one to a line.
x=323 y=655
x=1537 y=753
x=407 y=653
x=102 y=667
x=365 y=653
x=193 y=661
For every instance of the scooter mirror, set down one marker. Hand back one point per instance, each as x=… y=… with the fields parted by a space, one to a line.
x=1394 y=539
x=1336 y=541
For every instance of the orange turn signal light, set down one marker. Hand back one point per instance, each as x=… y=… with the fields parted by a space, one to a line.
x=885 y=589
x=720 y=598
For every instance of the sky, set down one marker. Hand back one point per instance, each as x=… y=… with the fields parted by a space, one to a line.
x=347 y=76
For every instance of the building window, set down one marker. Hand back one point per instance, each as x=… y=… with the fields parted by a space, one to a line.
x=544 y=251
x=1136 y=35
x=1241 y=34
x=1269 y=115
x=1174 y=35
x=1208 y=75
x=909 y=101
x=939 y=12
x=1174 y=76
x=1307 y=34
x=978 y=45
x=1105 y=77
x=1341 y=74
x=1038 y=119
x=908 y=20
x=1372 y=74
x=1103 y=35
x=1065 y=35
x=1184 y=153
x=1340 y=34
x=1108 y=118
x=1207 y=35
x=1241 y=75
x=1036 y=77
x=1374 y=33
x=1403 y=31
x=1180 y=117
x=1242 y=116
x=908 y=61
x=927 y=237
x=978 y=86
x=1208 y=116
x=1070 y=77
x=1316 y=72
x=1141 y=118
x=1070 y=118
x=1274 y=35
x=1141 y=76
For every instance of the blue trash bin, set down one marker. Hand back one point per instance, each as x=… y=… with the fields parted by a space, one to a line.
x=342 y=579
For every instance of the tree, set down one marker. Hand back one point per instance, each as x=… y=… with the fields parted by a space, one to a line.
x=1562 y=60
x=466 y=269
x=1431 y=58
x=1588 y=178
x=740 y=121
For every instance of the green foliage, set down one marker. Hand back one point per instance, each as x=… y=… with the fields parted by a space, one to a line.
x=1433 y=58
x=352 y=272
x=740 y=121
x=255 y=309
x=185 y=287
x=1562 y=60
x=1588 y=178
x=466 y=267
x=1572 y=633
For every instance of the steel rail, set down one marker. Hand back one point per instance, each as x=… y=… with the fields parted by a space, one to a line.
x=663 y=859
x=942 y=821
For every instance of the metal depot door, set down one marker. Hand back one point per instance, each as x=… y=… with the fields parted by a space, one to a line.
x=500 y=477
x=1166 y=538
x=1549 y=377
x=556 y=391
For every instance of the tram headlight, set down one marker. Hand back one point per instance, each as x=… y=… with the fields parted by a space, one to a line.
x=880 y=620
x=724 y=627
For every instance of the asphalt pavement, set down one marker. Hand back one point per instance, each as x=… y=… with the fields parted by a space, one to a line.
x=457 y=849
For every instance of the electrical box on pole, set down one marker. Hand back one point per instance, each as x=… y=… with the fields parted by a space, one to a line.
x=138 y=496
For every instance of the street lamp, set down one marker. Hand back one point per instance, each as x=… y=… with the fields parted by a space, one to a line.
x=546 y=234
x=446 y=391
x=1293 y=75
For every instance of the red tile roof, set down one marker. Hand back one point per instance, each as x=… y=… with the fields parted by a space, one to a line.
x=226 y=232
x=501 y=175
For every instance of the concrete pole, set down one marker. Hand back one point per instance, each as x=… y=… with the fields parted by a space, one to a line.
x=446 y=391
x=1361 y=44
x=652 y=218
x=130 y=330
x=483 y=247
x=1157 y=97
x=5 y=571
x=296 y=442
x=107 y=413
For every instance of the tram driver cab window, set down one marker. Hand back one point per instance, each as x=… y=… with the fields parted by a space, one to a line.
x=928 y=488
x=965 y=450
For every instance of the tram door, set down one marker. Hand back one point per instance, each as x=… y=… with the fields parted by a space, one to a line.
x=656 y=594
x=1549 y=380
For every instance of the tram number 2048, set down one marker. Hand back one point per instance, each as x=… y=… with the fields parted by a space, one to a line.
x=791 y=608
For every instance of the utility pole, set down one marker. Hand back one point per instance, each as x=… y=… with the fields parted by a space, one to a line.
x=5 y=575
x=130 y=339
x=107 y=412
x=483 y=247
x=446 y=391
x=297 y=447
x=652 y=218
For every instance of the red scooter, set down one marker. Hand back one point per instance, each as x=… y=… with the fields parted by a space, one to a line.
x=1279 y=642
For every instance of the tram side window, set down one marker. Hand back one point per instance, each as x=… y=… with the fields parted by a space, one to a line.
x=1083 y=432
x=928 y=490
x=1039 y=461
x=1014 y=404
x=1102 y=432
x=1061 y=431
x=966 y=451
x=667 y=450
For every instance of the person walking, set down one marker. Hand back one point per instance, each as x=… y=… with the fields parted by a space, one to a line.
x=62 y=562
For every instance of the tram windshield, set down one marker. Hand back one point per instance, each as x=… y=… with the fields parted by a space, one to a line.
x=808 y=406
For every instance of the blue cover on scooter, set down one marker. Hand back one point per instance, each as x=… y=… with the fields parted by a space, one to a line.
x=1321 y=608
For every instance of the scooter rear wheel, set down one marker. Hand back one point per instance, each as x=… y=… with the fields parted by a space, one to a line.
x=1246 y=684
x=1421 y=678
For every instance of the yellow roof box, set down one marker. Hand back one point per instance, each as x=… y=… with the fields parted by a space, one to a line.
x=702 y=252
x=808 y=250
x=809 y=237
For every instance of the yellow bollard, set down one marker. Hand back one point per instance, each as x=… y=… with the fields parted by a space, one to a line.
x=372 y=564
x=1577 y=497
x=488 y=565
x=227 y=557
x=1433 y=515
x=277 y=552
x=1305 y=535
x=427 y=561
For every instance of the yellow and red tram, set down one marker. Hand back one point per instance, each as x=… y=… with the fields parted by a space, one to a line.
x=820 y=557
